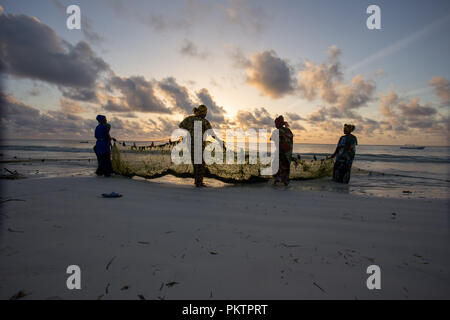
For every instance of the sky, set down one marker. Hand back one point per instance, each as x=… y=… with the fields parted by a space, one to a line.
x=146 y=64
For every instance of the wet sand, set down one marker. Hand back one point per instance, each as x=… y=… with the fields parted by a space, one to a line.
x=166 y=241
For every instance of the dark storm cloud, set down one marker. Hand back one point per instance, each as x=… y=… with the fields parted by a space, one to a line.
x=261 y=118
x=138 y=94
x=113 y=106
x=32 y=49
x=81 y=94
x=215 y=113
x=24 y=120
x=178 y=94
x=258 y=118
x=21 y=120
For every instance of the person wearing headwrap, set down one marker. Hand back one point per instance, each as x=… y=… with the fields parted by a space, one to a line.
x=103 y=147
x=344 y=153
x=188 y=124
x=285 y=146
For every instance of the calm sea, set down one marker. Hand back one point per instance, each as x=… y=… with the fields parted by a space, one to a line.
x=387 y=170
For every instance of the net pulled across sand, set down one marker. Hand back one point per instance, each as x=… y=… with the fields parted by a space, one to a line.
x=155 y=162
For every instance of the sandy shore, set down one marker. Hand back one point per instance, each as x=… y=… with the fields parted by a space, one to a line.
x=163 y=241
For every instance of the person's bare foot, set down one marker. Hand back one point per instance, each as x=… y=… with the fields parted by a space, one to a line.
x=200 y=185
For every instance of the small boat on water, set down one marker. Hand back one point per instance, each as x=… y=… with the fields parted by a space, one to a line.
x=412 y=146
x=84 y=141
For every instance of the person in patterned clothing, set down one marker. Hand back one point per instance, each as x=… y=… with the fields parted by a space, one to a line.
x=344 y=153
x=188 y=124
x=286 y=143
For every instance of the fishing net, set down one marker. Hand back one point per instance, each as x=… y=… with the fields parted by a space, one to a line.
x=155 y=162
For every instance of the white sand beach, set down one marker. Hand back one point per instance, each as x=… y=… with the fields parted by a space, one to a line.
x=163 y=241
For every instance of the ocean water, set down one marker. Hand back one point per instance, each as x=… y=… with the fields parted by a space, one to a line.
x=387 y=171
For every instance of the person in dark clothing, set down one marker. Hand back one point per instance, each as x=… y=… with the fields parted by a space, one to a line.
x=344 y=153
x=188 y=124
x=103 y=147
x=286 y=143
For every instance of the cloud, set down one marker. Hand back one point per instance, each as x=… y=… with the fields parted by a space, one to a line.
x=294 y=116
x=178 y=94
x=252 y=18
x=267 y=72
x=116 y=105
x=261 y=118
x=215 y=113
x=355 y=95
x=160 y=22
x=325 y=81
x=70 y=106
x=190 y=49
x=38 y=53
x=318 y=116
x=258 y=118
x=334 y=52
x=13 y=107
x=441 y=87
x=20 y=120
x=238 y=58
x=138 y=94
x=81 y=94
x=165 y=126
x=402 y=114
x=34 y=92
x=320 y=80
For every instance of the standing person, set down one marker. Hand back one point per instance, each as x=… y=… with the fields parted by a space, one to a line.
x=285 y=147
x=188 y=124
x=103 y=147
x=344 y=153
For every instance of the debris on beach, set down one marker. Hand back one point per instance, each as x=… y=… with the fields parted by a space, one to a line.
x=109 y=263
x=12 y=175
x=318 y=286
x=2 y=201
x=171 y=284
x=111 y=195
x=124 y=288
x=19 y=295
x=141 y=297
x=282 y=244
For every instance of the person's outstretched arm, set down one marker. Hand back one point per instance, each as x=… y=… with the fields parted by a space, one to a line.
x=335 y=151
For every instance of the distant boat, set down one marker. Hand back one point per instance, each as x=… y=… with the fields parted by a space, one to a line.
x=412 y=146
x=84 y=141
